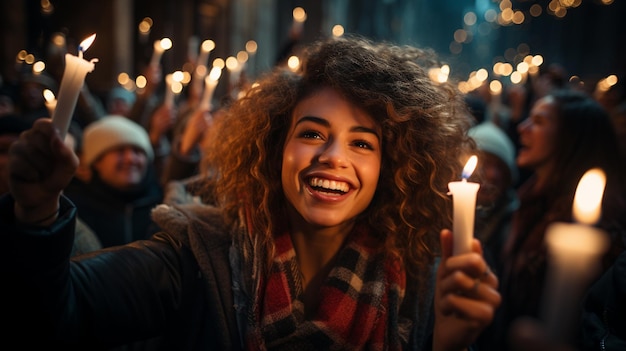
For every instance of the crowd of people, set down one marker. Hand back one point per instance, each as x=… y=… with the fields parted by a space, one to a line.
x=312 y=212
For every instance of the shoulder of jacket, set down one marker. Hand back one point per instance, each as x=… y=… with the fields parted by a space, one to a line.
x=177 y=218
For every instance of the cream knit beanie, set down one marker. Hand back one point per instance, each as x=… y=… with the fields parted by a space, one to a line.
x=112 y=131
x=491 y=138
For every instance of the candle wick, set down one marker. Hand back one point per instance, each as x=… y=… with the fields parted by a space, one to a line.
x=80 y=51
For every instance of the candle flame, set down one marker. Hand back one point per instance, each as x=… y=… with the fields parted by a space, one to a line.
x=588 y=197
x=215 y=74
x=469 y=167
x=166 y=43
x=85 y=44
x=48 y=95
x=299 y=15
x=208 y=45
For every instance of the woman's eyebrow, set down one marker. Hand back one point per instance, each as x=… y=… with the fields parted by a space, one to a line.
x=325 y=123
x=317 y=120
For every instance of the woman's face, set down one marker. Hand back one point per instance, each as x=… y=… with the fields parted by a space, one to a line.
x=331 y=159
x=538 y=135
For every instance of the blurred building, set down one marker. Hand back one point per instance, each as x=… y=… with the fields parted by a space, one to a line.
x=586 y=37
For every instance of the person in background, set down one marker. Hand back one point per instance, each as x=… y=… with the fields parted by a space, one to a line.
x=115 y=187
x=566 y=134
x=85 y=240
x=8 y=100
x=120 y=101
x=327 y=229
x=496 y=200
x=31 y=102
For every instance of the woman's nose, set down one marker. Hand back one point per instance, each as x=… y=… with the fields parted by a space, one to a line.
x=334 y=154
x=523 y=125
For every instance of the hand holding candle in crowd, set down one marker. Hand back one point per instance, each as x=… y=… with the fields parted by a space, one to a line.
x=464 y=207
x=210 y=83
x=76 y=68
x=574 y=250
x=51 y=101
x=160 y=46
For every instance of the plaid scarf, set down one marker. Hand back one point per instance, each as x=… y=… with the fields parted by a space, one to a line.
x=359 y=305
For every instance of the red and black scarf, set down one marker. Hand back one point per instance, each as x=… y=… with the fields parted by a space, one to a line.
x=359 y=305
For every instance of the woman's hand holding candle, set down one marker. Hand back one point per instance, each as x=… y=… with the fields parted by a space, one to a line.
x=464 y=208
x=76 y=68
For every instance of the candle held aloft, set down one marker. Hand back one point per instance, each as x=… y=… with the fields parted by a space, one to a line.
x=299 y=17
x=574 y=257
x=51 y=101
x=464 y=207
x=159 y=48
x=174 y=87
x=205 y=49
x=76 y=69
x=210 y=82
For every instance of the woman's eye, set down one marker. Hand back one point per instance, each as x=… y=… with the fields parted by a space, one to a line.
x=363 y=145
x=310 y=134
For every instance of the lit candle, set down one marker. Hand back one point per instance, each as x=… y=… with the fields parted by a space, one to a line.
x=174 y=87
x=574 y=250
x=210 y=82
x=205 y=49
x=299 y=17
x=76 y=69
x=201 y=69
x=464 y=207
x=159 y=47
x=51 y=101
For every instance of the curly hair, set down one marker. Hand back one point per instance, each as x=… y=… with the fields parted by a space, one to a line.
x=424 y=137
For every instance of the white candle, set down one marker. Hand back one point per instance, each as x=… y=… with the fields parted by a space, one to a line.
x=299 y=17
x=210 y=82
x=76 y=68
x=174 y=87
x=159 y=48
x=51 y=101
x=205 y=49
x=201 y=69
x=574 y=250
x=464 y=207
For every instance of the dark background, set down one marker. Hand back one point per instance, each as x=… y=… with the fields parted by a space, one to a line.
x=590 y=41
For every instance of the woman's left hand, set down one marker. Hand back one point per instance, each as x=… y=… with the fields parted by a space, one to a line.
x=466 y=296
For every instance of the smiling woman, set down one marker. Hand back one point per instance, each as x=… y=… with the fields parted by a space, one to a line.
x=323 y=226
